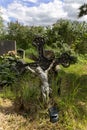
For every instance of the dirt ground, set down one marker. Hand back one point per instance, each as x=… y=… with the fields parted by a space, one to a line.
x=11 y=120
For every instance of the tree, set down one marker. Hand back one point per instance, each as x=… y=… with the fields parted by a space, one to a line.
x=81 y=44
x=23 y=35
x=20 y=33
x=83 y=10
x=64 y=33
x=1 y=25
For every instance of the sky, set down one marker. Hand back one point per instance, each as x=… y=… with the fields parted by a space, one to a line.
x=40 y=12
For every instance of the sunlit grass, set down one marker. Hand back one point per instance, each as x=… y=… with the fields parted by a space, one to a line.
x=28 y=60
x=79 y=69
x=72 y=102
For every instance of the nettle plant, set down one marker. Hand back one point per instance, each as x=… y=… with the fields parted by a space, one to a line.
x=8 y=71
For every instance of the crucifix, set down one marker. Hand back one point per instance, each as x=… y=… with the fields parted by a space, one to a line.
x=42 y=66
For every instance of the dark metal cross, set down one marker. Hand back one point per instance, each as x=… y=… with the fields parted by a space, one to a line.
x=39 y=43
x=42 y=61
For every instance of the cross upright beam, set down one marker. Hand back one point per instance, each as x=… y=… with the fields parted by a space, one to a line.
x=39 y=43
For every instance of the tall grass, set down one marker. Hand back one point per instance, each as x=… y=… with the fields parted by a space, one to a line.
x=27 y=91
x=7 y=92
x=72 y=101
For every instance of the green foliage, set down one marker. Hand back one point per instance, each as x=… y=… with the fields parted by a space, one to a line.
x=1 y=26
x=7 y=92
x=9 y=69
x=63 y=36
x=72 y=101
x=31 y=51
x=82 y=10
x=27 y=92
x=71 y=34
x=30 y=94
x=6 y=75
x=22 y=34
x=81 y=44
x=82 y=59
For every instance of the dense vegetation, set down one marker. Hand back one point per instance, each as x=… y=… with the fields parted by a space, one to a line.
x=62 y=36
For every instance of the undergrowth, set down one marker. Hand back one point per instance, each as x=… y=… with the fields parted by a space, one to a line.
x=72 y=101
x=69 y=93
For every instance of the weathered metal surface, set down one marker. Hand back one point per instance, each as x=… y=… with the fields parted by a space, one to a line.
x=53 y=112
x=43 y=61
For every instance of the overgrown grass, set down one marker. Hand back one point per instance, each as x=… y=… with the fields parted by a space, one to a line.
x=27 y=92
x=72 y=101
x=28 y=60
x=7 y=92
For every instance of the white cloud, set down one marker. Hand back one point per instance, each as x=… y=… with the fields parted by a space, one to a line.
x=43 y=14
x=72 y=8
x=84 y=18
x=34 y=1
x=75 y=1
x=4 y=16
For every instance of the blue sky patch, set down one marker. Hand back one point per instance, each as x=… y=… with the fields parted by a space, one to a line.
x=5 y=3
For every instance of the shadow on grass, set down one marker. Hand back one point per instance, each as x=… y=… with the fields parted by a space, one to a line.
x=9 y=109
x=30 y=114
